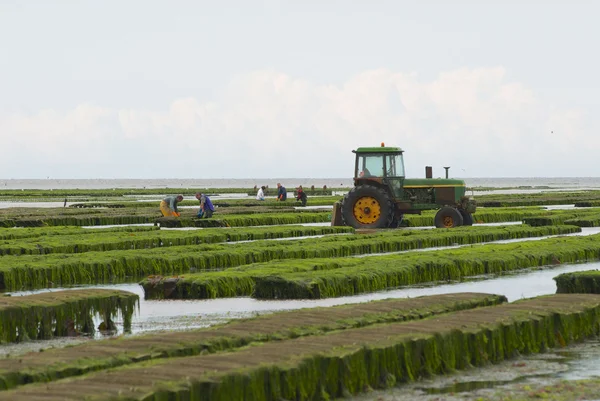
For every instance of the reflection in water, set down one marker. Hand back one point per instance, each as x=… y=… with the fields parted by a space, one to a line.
x=185 y=314
x=157 y=315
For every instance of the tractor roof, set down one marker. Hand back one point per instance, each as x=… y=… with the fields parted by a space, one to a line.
x=381 y=149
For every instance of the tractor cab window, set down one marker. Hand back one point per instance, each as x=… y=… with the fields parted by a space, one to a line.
x=394 y=165
x=370 y=166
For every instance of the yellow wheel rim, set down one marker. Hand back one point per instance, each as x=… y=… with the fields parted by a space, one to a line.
x=448 y=222
x=367 y=210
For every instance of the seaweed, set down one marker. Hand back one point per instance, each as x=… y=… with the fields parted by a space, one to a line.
x=103 y=354
x=346 y=362
x=307 y=277
x=62 y=313
x=37 y=271
x=586 y=282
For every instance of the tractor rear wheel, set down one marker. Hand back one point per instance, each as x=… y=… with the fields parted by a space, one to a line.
x=448 y=217
x=467 y=218
x=367 y=206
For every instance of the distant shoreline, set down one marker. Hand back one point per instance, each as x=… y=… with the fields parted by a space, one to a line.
x=333 y=183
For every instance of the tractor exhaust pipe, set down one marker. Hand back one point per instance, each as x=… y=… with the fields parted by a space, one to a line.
x=447 y=168
x=428 y=172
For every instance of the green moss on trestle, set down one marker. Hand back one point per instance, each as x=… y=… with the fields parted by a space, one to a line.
x=103 y=354
x=342 y=363
x=62 y=313
x=586 y=282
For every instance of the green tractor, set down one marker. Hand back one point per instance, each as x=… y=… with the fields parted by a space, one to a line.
x=382 y=195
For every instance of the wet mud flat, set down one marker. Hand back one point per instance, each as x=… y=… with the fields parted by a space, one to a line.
x=99 y=355
x=563 y=374
x=341 y=363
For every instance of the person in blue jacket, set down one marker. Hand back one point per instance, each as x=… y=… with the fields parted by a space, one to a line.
x=206 y=207
x=281 y=192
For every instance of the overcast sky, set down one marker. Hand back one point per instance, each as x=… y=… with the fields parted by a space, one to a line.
x=260 y=89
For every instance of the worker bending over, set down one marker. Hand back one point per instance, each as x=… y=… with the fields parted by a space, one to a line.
x=281 y=192
x=206 y=207
x=168 y=206
x=301 y=195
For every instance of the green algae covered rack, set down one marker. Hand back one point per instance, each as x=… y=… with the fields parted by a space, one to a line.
x=584 y=282
x=59 y=363
x=61 y=313
x=344 y=362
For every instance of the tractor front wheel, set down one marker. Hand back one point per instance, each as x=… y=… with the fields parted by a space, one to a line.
x=367 y=206
x=448 y=217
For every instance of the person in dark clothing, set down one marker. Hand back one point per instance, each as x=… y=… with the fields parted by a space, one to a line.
x=206 y=207
x=301 y=196
x=281 y=192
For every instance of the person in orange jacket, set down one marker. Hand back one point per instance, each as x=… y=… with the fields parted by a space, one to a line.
x=168 y=206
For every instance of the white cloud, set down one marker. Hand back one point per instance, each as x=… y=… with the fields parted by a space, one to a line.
x=268 y=124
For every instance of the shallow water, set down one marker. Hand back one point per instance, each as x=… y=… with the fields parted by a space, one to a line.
x=158 y=198
x=121 y=225
x=323 y=207
x=584 y=232
x=34 y=346
x=160 y=315
x=578 y=361
x=560 y=207
x=183 y=314
x=286 y=238
x=332 y=183
x=529 y=190
x=324 y=224
x=6 y=205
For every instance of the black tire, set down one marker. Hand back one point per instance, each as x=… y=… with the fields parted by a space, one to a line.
x=448 y=217
x=367 y=206
x=467 y=218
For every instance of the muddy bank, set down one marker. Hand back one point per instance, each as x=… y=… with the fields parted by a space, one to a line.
x=552 y=375
x=7 y=350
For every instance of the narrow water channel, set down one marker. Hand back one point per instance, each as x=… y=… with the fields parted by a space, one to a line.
x=157 y=315
x=574 y=362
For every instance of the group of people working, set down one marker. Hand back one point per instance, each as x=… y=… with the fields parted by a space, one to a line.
x=168 y=206
x=282 y=194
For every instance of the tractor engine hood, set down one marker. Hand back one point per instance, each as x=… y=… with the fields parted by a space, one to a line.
x=433 y=182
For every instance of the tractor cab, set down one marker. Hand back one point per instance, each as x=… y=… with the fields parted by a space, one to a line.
x=382 y=195
x=383 y=166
